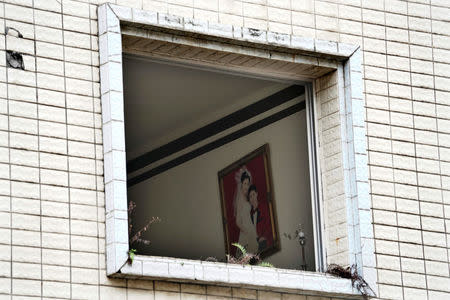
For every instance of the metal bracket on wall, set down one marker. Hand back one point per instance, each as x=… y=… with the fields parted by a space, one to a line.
x=14 y=59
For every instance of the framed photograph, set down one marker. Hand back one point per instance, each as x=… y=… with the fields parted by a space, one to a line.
x=248 y=207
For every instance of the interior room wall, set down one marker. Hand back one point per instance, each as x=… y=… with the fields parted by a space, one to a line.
x=164 y=101
x=187 y=197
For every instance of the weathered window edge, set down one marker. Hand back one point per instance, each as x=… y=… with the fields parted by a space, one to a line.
x=353 y=133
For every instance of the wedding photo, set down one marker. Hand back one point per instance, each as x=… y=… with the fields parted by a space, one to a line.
x=248 y=204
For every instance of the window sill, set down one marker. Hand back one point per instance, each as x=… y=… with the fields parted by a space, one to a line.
x=185 y=270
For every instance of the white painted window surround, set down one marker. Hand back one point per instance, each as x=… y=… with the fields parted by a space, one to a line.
x=354 y=156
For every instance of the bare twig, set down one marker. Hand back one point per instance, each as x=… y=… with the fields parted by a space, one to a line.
x=137 y=236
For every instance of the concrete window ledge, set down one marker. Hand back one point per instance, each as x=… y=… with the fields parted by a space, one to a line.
x=194 y=271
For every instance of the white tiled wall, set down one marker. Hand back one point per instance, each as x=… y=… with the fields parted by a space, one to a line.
x=52 y=217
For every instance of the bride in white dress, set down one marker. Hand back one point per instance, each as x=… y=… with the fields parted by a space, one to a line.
x=242 y=208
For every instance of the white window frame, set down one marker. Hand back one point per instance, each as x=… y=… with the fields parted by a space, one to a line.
x=353 y=152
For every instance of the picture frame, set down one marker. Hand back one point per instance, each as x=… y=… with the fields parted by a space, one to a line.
x=248 y=204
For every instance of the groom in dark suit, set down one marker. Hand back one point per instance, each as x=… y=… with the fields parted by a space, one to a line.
x=260 y=219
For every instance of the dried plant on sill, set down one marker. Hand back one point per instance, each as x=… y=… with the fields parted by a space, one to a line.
x=211 y=259
x=136 y=237
x=352 y=273
x=247 y=258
